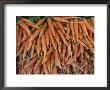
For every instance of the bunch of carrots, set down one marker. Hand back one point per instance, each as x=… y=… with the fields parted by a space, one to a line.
x=55 y=45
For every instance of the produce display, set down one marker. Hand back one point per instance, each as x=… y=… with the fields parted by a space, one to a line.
x=55 y=45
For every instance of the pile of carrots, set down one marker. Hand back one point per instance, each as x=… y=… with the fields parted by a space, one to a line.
x=55 y=45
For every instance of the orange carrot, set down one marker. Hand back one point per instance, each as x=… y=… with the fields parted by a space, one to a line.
x=37 y=66
x=92 y=20
x=58 y=19
x=83 y=26
x=89 y=27
x=64 y=50
x=50 y=24
x=68 y=28
x=34 y=35
x=32 y=49
x=43 y=30
x=24 y=26
x=31 y=62
x=49 y=65
x=62 y=37
x=29 y=23
x=47 y=55
x=57 y=59
x=43 y=42
x=38 y=47
x=72 y=30
x=17 y=32
x=76 y=29
x=52 y=61
x=45 y=68
x=24 y=36
x=40 y=21
x=60 y=27
x=21 y=49
x=52 y=39
x=47 y=38
x=20 y=36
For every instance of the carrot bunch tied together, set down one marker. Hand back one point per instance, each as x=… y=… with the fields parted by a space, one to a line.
x=55 y=45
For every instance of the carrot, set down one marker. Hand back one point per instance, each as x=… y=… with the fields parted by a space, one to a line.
x=86 y=54
x=47 y=55
x=49 y=65
x=52 y=39
x=31 y=62
x=81 y=43
x=64 y=50
x=58 y=19
x=76 y=29
x=24 y=26
x=62 y=37
x=37 y=66
x=47 y=38
x=88 y=26
x=68 y=28
x=60 y=27
x=32 y=49
x=45 y=68
x=42 y=30
x=34 y=35
x=19 y=37
x=17 y=32
x=50 y=24
x=24 y=36
x=59 y=48
x=29 y=45
x=83 y=26
x=68 y=17
x=52 y=61
x=57 y=38
x=54 y=71
x=38 y=47
x=69 y=51
x=21 y=49
x=29 y=23
x=72 y=30
x=40 y=21
x=43 y=42
x=55 y=25
x=57 y=59
x=92 y=20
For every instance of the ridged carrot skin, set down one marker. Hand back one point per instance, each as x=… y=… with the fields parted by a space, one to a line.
x=60 y=27
x=20 y=37
x=38 y=47
x=50 y=24
x=62 y=37
x=76 y=29
x=60 y=19
x=89 y=27
x=57 y=59
x=83 y=26
x=43 y=42
x=47 y=38
x=21 y=49
x=29 y=23
x=92 y=20
x=72 y=30
x=34 y=35
x=17 y=32
x=52 y=39
x=42 y=30
x=45 y=68
x=47 y=55
x=24 y=26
